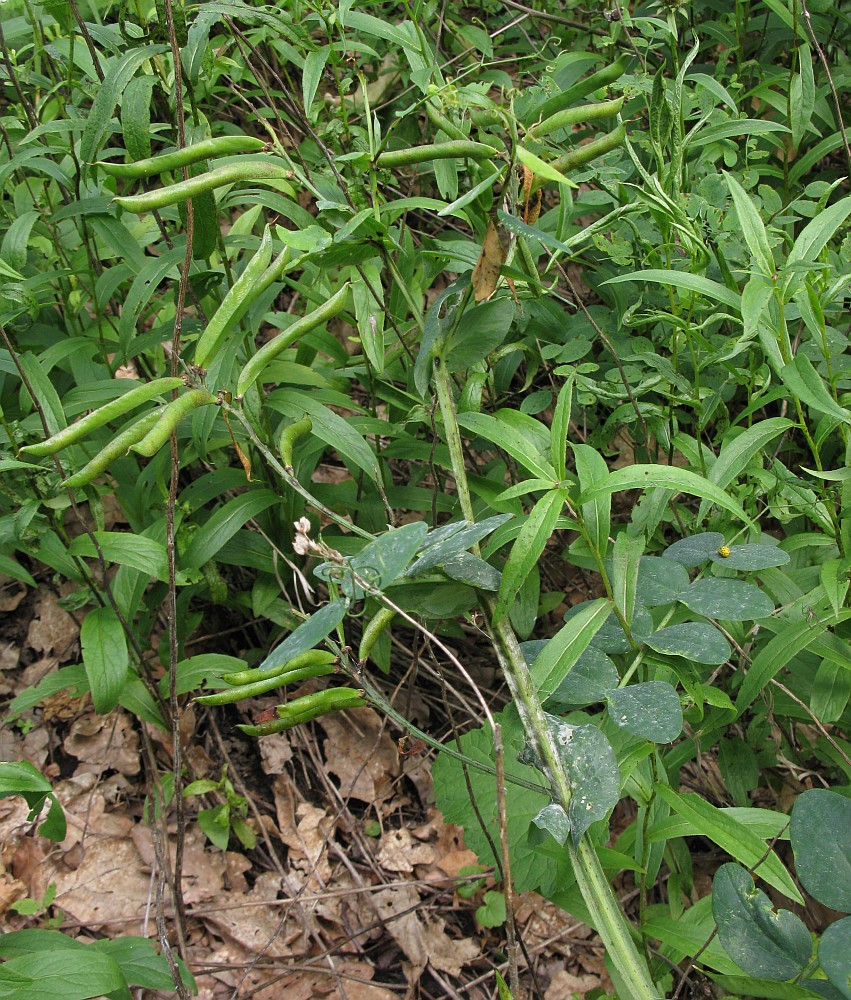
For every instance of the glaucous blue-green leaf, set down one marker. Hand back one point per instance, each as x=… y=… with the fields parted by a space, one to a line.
x=451 y=539
x=751 y=557
x=319 y=625
x=821 y=840
x=660 y=581
x=472 y=570
x=834 y=955
x=696 y=641
x=767 y=944
x=610 y=637
x=589 y=680
x=695 y=549
x=651 y=710
x=551 y=820
x=729 y=600
x=378 y=563
x=592 y=770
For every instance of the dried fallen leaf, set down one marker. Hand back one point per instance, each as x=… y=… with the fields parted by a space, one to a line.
x=361 y=753
x=489 y=265
x=53 y=629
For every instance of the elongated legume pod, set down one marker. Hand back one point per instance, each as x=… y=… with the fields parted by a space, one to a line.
x=117 y=447
x=380 y=620
x=228 y=174
x=439 y=120
x=573 y=116
x=242 y=293
x=170 y=417
x=584 y=154
x=269 y=684
x=580 y=89
x=454 y=149
x=311 y=706
x=309 y=658
x=223 y=145
x=97 y=418
x=328 y=310
x=301 y=428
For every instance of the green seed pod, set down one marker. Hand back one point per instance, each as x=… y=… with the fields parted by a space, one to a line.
x=585 y=154
x=580 y=89
x=292 y=434
x=270 y=351
x=308 y=707
x=380 y=620
x=440 y=121
x=175 y=193
x=223 y=145
x=205 y=217
x=97 y=418
x=309 y=658
x=573 y=116
x=243 y=292
x=170 y=417
x=454 y=149
x=117 y=448
x=269 y=684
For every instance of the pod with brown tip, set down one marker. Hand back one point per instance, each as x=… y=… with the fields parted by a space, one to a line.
x=453 y=150
x=117 y=448
x=170 y=417
x=184 y=190
x=574 y=116
x=97 y=418
x=309 y=658
x=235 y=304
x=223 y=145
x=269 y=684
x=327 y=311
x=585 y=154
x=582 y=88
x=380 y=620
x=289 y=437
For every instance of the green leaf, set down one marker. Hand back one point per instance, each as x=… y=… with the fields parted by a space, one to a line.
x=560 y=428
x=736 y=454
x=224 y=524
x=215 y=823
x=562 y=651
x=109 y=93
x=802 y=96
x=314 y=67
x=734 y=129
x=141 y=964
x=475 y=572
x=528 y=548
x=492 y=911
x=731 y=836
x=729 y=600
x=695 y=549
x=141 y=553
x=766 y=944
x=821 y=840
x=380 y=562
x=696 y=641
x=752 y=227
x=312 y=631
x=480 y=331
x=592 y=471
x=522 y=447
x=815 y=236
x=712 y=290
x=804 y=382
x=21 y=778
x=763 y=989
x=650 y=710
x=626 y=560
x=660 y=581
x=833 y=955
x=105 y=656
x=451 y=539
x=67 y=973
x=637 y=477
x=553 y=820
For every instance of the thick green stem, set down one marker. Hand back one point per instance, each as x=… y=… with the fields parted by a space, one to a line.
x=611 y=924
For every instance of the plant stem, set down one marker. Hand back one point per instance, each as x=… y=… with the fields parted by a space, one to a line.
x=609 y=921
